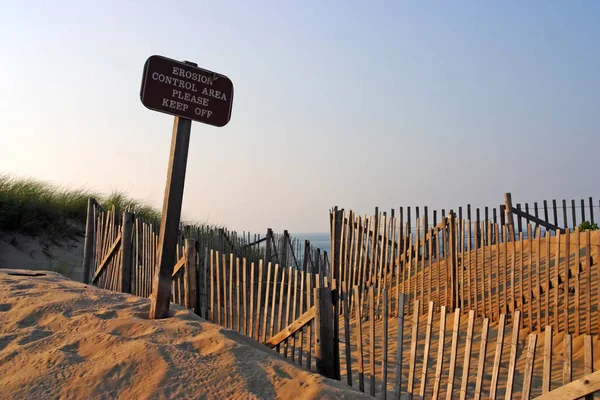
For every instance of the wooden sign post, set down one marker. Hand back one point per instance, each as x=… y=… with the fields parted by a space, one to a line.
x=190 y=94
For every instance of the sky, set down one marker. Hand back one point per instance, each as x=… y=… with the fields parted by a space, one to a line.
x=336 y=103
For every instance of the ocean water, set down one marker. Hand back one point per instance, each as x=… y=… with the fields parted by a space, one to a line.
x=320 y=240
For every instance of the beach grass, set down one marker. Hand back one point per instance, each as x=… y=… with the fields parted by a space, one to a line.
x=33 y=207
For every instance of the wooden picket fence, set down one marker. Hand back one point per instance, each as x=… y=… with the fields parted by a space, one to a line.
x=380 y=308
x=551 y=278
x=431 y=356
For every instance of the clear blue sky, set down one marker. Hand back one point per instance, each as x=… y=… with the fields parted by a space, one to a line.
x=356 y=104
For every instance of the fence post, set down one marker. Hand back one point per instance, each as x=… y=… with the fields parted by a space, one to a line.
x=336 y=243
x=284 y=249
x=306 y=256
x=268 y=241
x=509 y=216
x=324 y=352
x=126 y=255
x=453 y=260
x=88 y=244
x=190 y=282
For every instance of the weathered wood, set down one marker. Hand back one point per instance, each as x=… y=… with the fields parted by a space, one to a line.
x=588 y=281
x=509 y=216
x=482 y=356
x=566 y=281
x=529 y=361
x=513 y=354
x=567 y=373
x=335 y=292
x=301 y=311
x=280 y=314
x=88 y=241
x=107 y=258
x=126 y=253
x=258 y=306
x=413 y=348
x=536 y=220
x=577 y=293
x=497 y=357
x=192 y=279
x=324 y=330
x=309 y=297
x=529 y=289
x=238 y=300
x=245 y=301
x=399 y=343
x=171 y=213
x=547 y=284
x=453 y=354
x=292 y=328
x=547 y=371
x=348 y=351
x=384 y=334
x=230 y=284
x=372 y=341
x=440 y=354
x=426 y=350
x=467 y=360
x=538 y=292
x=226 y=320
x=273 y=305
x=557 y=281
x=213 y=262
x=575 y=390
x=588 y=354
x=178 y=266
x=359 y=349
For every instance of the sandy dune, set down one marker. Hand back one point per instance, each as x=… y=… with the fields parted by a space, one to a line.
x=63 y=339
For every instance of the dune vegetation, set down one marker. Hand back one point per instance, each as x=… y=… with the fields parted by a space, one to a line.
x=36 y=208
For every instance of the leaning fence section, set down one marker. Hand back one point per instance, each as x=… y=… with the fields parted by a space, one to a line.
x=550 y=277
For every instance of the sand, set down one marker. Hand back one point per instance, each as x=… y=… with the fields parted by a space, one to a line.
x=64 y=339
x=37 y=253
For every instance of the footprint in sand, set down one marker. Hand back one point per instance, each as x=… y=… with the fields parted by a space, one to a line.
x=106 y=315
x=35 y=335
x=133 y=331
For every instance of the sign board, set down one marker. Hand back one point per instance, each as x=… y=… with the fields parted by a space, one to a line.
x=176 y=88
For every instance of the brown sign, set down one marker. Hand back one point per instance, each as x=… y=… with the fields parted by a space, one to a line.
x=181 y=89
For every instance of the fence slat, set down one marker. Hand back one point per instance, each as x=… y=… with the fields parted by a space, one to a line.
x=384 y=356
x=567 y=359
x=513 y=354
x=273 y=307
x=359 y=349
x=372 y=341
x=577 y=310
x=547 y=371
x=566 y=281
x=399 y=342
x=482 y=356
x=413 y=347
x=557 y=281
x=440 y=355
x=259 y=303
x=453 y=354
x=266 y=308
x=497 y=357
x=230 y=282
x=426 y=351
x=588 y=282
x=528 y=375
x=467 y=360
x=347 y=339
